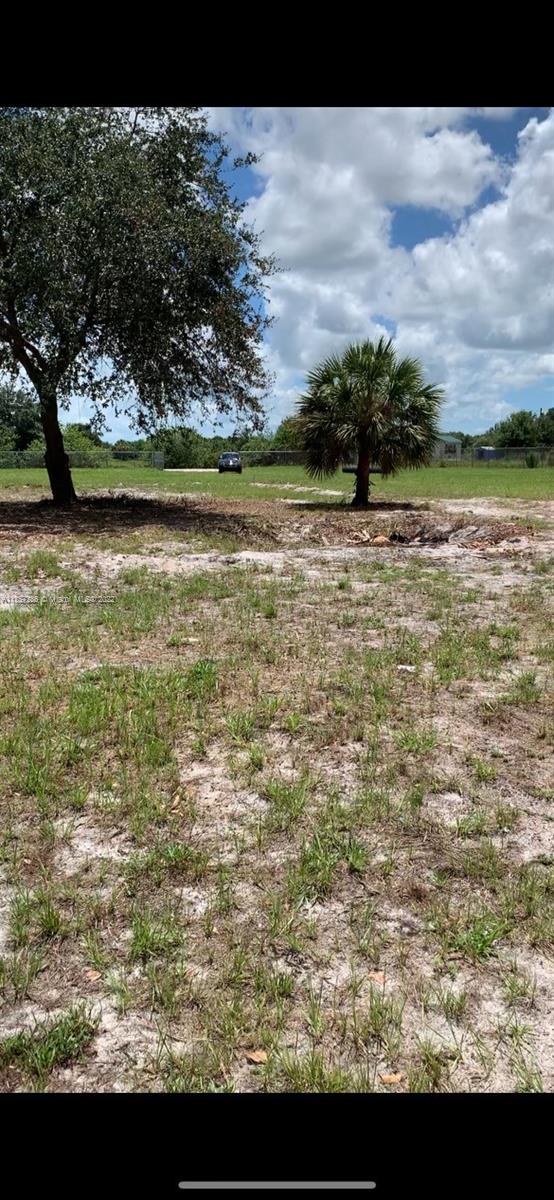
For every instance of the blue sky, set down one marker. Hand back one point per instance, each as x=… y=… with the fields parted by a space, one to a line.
x=433 y=224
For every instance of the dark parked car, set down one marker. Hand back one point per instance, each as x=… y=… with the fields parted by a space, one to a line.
x=230 y=462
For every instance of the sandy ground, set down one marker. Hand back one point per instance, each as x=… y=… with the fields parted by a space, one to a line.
x=322 y=544
x=283 y=538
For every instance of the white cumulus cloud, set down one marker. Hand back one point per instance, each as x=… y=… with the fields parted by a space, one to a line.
x=477 y=304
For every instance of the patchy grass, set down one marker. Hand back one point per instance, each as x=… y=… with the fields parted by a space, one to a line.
x=35 y=1053
x=281 y=824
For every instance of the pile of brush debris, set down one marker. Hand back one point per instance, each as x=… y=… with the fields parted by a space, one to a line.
x=474 y=537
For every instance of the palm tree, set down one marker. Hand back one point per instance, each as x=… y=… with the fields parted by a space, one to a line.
x=371 y=405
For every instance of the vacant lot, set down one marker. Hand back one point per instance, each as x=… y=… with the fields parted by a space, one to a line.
x=278 y=799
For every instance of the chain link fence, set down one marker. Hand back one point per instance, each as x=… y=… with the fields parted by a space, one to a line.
x=474 y=456
x=271 y=458
x=506 y=456
x=86 y=458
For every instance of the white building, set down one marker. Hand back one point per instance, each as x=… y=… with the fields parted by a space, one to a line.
x=447 y=447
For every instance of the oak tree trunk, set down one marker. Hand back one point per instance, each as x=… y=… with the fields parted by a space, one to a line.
x=56 y=459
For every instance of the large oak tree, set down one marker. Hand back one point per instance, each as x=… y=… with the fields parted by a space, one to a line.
x=127 y=270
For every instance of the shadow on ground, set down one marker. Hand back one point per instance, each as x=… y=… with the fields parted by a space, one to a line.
x=374 y=506
x=101 y=517
x=250 y=522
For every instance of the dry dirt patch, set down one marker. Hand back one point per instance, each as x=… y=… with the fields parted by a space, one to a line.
x=326 y=856
x=102 y=536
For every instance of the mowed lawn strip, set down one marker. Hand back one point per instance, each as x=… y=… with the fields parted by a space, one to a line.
x=449 y=482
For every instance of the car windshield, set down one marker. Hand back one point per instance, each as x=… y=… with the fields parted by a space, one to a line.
x=229 y=455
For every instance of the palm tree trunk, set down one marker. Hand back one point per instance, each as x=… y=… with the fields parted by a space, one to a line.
x=56 y=460
x=361 y=495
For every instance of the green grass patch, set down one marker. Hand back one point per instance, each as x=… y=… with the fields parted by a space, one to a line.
x=450 y=482
x=37 y=1052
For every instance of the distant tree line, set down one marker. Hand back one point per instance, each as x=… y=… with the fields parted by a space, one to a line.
x=185 y=447
x=519 y=429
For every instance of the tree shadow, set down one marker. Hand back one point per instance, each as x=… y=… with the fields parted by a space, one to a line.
x=345 y=506
x=101 y=516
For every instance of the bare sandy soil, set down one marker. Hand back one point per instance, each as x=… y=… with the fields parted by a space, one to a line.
x=262 y=528
x=365 y=798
